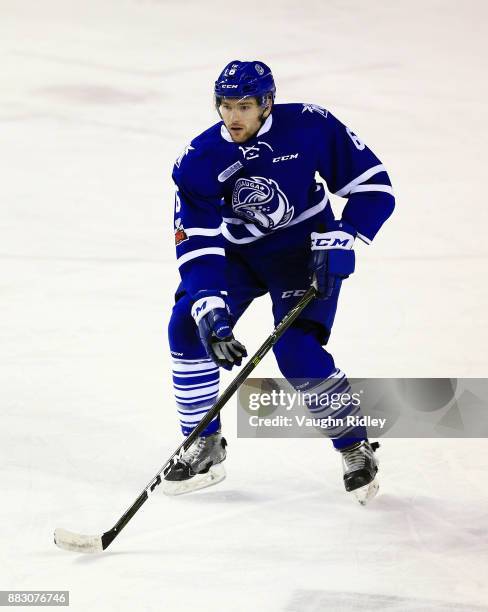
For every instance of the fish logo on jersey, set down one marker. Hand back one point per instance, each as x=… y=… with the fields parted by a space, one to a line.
x=261 y=201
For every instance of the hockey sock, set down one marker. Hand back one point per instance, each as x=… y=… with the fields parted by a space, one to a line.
x=196 y=386
x=332 y=399
x=326 y=390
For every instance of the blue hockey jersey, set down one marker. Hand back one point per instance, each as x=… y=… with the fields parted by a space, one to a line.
x=262 y=196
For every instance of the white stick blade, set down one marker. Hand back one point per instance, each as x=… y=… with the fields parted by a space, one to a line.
x=75 y=542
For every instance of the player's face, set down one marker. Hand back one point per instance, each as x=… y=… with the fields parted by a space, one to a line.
x=242 y=118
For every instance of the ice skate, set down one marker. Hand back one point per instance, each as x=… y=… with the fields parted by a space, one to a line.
x=360 y=470
x=199 y=467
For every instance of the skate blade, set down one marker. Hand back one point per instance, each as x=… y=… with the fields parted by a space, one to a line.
x=365 y=494
x=201 y=481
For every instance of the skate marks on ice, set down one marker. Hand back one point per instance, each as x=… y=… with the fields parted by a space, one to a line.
x=315 y=601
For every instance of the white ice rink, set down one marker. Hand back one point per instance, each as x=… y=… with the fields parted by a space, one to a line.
x=97 y=98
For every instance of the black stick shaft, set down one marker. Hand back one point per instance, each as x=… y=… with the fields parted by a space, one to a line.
x=244 y=373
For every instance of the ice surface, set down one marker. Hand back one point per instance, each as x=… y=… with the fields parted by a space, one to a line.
x=97 y=99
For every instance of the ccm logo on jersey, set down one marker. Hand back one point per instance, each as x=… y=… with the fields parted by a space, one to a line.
x=293 y=293
x=285 y=157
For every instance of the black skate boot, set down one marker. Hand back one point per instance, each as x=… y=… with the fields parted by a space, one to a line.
x=360 y=469
x=199 y=467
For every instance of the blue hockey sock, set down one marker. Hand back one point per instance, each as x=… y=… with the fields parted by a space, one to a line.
x=331 y=399
x=195 y=376
x=196 y=386
x=311 y=370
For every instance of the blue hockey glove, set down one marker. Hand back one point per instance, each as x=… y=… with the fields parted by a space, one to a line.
x=214 y=320
x=332 y=257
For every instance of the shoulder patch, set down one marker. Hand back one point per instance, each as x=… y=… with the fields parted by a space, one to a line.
x=185 y=151
x=180 y=234
x=315 y=108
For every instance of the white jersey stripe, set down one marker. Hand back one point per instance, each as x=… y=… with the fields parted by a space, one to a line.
x=373 y=187
x=364 y=238
x=254 y=230
x=230 y=237
x=233 y=220
x=306 y=214
x=360 y=179
x=200 y=253
x=202 y=231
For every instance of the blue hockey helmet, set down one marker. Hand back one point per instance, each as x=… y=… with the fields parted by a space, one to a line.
x=245 y=79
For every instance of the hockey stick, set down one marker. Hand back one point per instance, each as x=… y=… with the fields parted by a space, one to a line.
x=75 y=542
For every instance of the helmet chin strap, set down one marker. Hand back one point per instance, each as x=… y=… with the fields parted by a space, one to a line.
x=267 y=105
x=263 y=118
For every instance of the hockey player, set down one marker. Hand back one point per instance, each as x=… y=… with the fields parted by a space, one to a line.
x=250 y=219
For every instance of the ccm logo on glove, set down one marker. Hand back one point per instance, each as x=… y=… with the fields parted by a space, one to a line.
x=332 y=240
x=332 y=257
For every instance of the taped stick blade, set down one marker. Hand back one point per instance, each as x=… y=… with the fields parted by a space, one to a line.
x=76 y=542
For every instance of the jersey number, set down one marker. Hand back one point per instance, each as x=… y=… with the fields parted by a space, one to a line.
x=358 y=143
